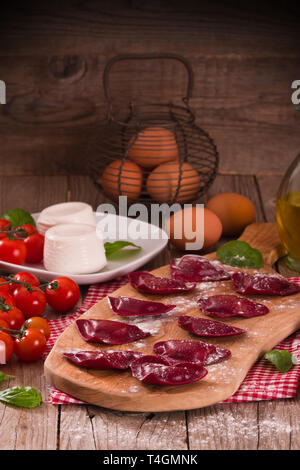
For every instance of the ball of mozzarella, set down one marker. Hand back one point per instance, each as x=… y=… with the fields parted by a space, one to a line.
x=66 y=213
x=74 y=249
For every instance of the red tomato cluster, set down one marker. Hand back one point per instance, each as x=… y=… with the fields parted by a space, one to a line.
x=29 y=342
x=21 y=244
x=22 y=303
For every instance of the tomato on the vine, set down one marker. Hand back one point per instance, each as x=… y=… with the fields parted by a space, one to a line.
x=35 y=247
x=62 y=294
x=3 y=323
x=12 y=251
x=30 y=345
x=4 y=227
x=6 y=297
x=40 y=324
x=31 y=300
x=25 y=229
x=5 y=286
x=9 y=344
x=23 y=276
x=12 y=315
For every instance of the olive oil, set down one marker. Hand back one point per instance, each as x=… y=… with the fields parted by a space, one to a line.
x=288 y=223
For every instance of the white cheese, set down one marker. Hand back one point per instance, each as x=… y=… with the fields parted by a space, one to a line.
x=74 y=249
x=66 y=213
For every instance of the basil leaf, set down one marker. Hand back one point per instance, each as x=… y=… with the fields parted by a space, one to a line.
x=241 y=254
x=18 y=217
x=112 y=247
x=4 y=376
x=282 y=360
x=26 y=397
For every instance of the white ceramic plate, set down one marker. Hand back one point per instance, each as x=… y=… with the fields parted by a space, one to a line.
x=152 y=242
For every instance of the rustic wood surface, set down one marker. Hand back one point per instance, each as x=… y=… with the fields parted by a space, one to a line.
x=256 y=425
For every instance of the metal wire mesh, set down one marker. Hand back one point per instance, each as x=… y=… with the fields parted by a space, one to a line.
x=156 y=154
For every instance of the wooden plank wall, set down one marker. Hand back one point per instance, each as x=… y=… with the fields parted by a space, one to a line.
x=53 y=54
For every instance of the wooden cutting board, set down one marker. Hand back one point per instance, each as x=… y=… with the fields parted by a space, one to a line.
x=120 y=391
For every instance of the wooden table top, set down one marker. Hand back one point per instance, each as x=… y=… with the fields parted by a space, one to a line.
x=261 y=425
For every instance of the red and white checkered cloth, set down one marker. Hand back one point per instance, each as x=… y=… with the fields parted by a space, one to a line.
x=263 y=381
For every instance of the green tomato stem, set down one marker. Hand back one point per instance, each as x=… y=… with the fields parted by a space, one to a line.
x=11 y=280
x=12 y=332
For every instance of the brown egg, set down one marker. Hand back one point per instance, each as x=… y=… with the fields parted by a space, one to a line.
x=163 y=181
x=131 y=179
x=153 y=146
x=190 y=225
x=234 y=210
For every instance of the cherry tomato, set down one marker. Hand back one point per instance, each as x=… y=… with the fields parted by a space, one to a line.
x=30 y=345
x=4 y=287
x=35 y=247
x=13 y=317
x=32 y=301
x=3 y=323
x=9 y=344
x=62 y=294
x=40 y=324
x=23 y=277
x=4 y=227
x=5 y=297
x=27 y=229
x=12 y=251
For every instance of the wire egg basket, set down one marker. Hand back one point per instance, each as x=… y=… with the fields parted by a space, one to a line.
x=156 y=152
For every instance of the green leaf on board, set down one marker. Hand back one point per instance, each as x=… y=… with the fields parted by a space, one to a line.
x=241 y=254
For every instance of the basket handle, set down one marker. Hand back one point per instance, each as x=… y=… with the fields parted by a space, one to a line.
x=121 y=57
